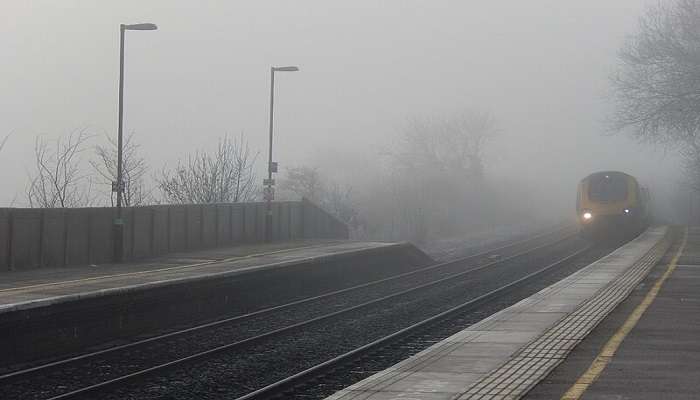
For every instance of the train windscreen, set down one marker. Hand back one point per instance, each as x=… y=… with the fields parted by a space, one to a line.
x=607 y=187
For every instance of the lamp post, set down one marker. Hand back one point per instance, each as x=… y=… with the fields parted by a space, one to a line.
x=118 y=186
x=272 y=167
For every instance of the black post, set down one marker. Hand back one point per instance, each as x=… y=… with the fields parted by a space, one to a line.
x=268 y=199
x=270 y=170
x=118 y=222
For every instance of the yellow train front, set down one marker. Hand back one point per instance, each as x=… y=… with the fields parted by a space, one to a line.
x=611 y=203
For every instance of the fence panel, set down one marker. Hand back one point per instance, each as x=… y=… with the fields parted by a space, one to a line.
x=31 y=238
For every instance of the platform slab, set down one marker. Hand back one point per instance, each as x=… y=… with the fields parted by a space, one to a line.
x=504 y=355
x=660 y=356
x=41 y=287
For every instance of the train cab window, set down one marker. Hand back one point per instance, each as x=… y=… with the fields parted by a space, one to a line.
x=607 y=187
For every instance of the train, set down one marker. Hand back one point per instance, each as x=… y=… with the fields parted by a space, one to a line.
x=612 y=203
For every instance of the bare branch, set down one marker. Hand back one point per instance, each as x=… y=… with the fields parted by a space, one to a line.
x=657 y=83
x=307 y=182
x=656 y=86
x=57 y=181
x=225 y=175
x=453 y=145
x=3 y=141
x=134 y=170
x=304 y=182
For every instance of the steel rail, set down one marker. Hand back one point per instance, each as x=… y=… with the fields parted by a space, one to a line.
x=248 y=341
x=19 y=374
x=279 y=387
x=268 y=335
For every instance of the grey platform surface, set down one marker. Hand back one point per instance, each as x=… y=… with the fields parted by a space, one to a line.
x=660 y=357
x=506 y=354
x=40 y=287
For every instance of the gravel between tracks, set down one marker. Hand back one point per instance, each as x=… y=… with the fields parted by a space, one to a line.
x=351 y=373
x=345 y=333
x=232 y=374
x=95 y=370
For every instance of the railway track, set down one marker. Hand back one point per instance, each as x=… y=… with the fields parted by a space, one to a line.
x=120 y=365
x=332 y=375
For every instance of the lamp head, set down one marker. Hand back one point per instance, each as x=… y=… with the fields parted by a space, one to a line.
x=139 y=27
x=287 y=69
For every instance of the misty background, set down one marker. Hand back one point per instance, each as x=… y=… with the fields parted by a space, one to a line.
x=368 y=69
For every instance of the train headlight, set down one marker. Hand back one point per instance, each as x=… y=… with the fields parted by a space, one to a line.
x=587 y=215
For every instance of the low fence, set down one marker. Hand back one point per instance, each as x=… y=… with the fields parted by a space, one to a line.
x=55 y=237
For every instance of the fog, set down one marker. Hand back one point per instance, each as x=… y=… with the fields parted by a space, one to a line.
x=540 y=68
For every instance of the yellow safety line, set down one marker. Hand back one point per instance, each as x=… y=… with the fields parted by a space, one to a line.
x=157 y=270
x=606 y=354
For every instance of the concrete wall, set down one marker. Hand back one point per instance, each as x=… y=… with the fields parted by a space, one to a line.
x=35 y=238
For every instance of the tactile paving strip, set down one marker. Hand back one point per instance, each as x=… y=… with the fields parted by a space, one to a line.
x=533 y=362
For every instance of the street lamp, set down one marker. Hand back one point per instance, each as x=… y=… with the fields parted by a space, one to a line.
x=272 y=167
x=118 y=186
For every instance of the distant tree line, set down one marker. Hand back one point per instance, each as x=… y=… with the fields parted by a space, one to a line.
x=432 y=181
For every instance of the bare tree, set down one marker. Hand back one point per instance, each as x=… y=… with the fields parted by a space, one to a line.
x=691 y=163
x=2 y=145
x=4 y=140
x=338 y=201
x=134 y=170
x=304 y=182
x=307 y=182
x=656 y=86
x=225 y=175
x=454 y=145
x=437 y=172
x=58 y=180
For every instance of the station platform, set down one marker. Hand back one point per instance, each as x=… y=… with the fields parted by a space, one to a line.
x=53 y=313
x=649 y=347
x=507 y=354
x=21 y=290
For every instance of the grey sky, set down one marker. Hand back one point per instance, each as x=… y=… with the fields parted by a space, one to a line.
x=541 y=67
